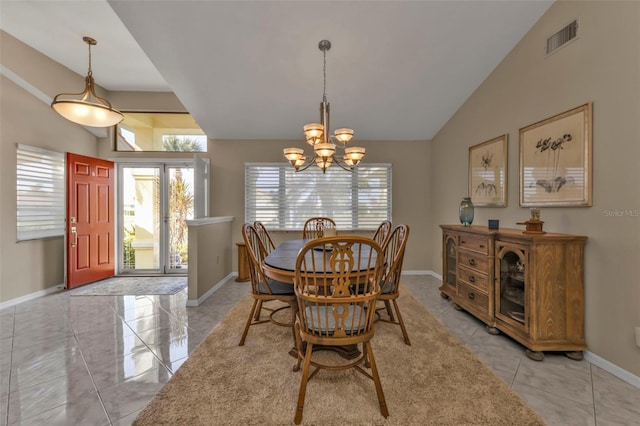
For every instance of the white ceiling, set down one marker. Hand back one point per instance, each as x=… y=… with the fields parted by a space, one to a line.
x=397 y=70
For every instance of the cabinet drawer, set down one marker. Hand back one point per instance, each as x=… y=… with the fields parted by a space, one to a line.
x=471 y=297
x=473 y=278
x=480 y=245
x=473 y=260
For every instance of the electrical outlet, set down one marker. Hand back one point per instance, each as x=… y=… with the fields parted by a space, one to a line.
x=638 y=337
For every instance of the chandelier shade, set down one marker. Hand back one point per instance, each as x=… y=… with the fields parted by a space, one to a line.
x=313 y=133
x=87 y=108
x=324 y=149
x=318 y=136
x=353 y=155
x=344 y=135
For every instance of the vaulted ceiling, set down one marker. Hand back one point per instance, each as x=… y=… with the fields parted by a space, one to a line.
x=397 y=70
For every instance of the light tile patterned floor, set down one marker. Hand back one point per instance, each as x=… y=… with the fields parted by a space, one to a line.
x=98 y=360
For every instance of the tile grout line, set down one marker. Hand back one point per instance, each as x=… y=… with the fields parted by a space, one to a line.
x=593 y=395
x=95 y=387
x=104 y=408
x=13 y=333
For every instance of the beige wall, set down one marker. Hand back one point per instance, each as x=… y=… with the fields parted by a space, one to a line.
x=601 y=66
x=31 y=266
x=410 y=185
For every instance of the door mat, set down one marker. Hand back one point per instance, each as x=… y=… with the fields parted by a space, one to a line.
x=135 y=286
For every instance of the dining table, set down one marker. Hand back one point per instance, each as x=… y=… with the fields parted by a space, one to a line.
x=280 y=265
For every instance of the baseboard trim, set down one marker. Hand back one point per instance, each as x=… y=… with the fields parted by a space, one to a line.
x=613 y=369
x=31 y=296
x=416 y=272
x=198 y=302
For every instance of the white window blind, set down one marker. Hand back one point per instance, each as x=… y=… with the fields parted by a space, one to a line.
x=282 y=199
x=40 y=193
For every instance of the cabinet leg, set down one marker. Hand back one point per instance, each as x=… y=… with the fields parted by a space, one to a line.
x=443 y=295
x=575 y=355
x=492 y=330
x=534 y=355
x=457 y=307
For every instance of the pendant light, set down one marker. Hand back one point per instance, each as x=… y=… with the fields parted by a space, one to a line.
x=87 y=108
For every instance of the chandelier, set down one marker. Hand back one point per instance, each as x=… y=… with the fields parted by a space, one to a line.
x=317 y=135
x=87 y=108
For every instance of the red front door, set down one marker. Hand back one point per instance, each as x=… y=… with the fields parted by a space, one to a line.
x=90 y=225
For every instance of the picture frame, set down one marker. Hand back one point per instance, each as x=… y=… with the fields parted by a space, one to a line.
x=556 y=161
x=488 y=172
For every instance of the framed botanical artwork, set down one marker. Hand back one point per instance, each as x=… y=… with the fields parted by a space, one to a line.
x=555 y=160
x=488 y=172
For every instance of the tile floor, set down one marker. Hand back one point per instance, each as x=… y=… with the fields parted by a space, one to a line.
x=98 y=360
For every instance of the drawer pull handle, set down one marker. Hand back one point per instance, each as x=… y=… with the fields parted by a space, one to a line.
x=472 y=262
x=472 y=279
x=471 y=296
x=481 y=245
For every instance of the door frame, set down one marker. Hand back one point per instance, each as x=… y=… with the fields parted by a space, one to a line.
x=162 y=164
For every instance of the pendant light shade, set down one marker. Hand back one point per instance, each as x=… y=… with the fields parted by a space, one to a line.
x=87 y=108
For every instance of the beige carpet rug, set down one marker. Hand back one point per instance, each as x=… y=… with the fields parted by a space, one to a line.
x=436 y=381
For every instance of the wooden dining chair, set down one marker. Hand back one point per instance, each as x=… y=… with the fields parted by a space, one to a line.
x=269 y=246
x=315 y=226
x=264 y=236
x=383 y=231
x=394 y=256
x=337 y=281
x=263 y=289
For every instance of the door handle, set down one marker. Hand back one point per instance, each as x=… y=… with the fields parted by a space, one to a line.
x=74 y=234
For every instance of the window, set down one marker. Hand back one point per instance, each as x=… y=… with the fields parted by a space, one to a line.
x=159 y=131
x=40 y=193
x=282 y=199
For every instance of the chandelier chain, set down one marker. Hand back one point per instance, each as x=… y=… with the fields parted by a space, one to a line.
x=90 y=72
x=324 y=75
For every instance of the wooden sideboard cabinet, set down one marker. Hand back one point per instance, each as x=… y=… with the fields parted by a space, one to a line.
x=528 y=286
x=468 y=277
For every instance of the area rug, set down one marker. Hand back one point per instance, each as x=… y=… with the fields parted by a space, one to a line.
x=136 y=286
x=435 y=381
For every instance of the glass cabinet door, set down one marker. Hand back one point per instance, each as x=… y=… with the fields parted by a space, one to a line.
x=512 y=292
x=450 y=261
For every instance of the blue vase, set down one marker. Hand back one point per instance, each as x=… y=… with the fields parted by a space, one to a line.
x=466 y=211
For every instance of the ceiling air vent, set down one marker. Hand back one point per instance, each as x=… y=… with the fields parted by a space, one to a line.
x=562 y=37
